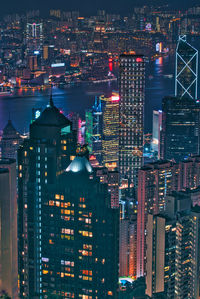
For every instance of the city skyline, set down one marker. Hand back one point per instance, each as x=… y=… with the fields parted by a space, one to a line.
x=112 y=6
x=100 y=152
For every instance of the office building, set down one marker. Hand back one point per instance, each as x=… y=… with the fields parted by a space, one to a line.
x=156 y=136
x=10 y=141
x=93 y=129
x=79 y=233
x=131 y=115
x=186 y=81
x=34 y=38
x=8 y=228
x=180 y=128
x=110 y=142
x=41 y=158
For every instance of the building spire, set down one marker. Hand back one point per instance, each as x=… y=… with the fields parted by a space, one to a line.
x=51 y=104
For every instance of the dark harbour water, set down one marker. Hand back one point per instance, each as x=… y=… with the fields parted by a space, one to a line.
x=77 y=99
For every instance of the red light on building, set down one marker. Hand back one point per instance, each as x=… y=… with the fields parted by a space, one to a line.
x=115 y=98
x=139 y=59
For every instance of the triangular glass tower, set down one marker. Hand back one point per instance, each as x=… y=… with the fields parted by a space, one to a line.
x=186 y=69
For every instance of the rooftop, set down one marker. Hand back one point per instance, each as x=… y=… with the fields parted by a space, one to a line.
x=80 y=165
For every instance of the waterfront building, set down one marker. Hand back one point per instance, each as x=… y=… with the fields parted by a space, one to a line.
x=180 y=128
x=131 y=115
x=10 y=141
x=186 y=81
x=8 y=228
x=41 y=158
x=110 y=142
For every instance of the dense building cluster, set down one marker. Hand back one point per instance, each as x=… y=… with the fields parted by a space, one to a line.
x=83 y=215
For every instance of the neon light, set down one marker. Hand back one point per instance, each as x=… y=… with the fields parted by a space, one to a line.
x=139 y=59
x=115 y=98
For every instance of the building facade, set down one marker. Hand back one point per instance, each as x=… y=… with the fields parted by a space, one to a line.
x=8 y=228
x=110 y=142
x=48 y=151
x=180 y=128
x=80 y=250
x=10 y=142
x=131 y=116
x=186 y=81
x=155 y=181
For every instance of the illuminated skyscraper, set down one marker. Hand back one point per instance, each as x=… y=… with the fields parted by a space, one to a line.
x=41 y=158
x=34 y=37
x=173 y=249
x=180 y=128
x=186 y=80
x=79 y=252
x=93 y=129
x=110 y=140
x=155 y=181
x=131 y=115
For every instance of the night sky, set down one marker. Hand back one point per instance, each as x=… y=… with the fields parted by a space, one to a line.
x=86 y=6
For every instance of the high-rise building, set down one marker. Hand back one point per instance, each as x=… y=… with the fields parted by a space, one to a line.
x=46 y=154
x=156 y=136
x=10 y=141
x=79 y=236
x=8 y=228
x=180 y=128
x=186 y=80
x=110 y=142
x=93 y=129
x=111 y=178
x=127 y=246
x=173 y=249
x=155 y=248
x=131 y=115
x=155 y=181
x=34 y=37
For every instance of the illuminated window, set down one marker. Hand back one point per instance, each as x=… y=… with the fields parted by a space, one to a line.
x=45 y=271
x=57 y=196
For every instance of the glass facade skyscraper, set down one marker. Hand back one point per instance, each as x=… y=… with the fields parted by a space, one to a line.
x=180 y=128
x=186 y=80
x=131 y=115
x=110 y=140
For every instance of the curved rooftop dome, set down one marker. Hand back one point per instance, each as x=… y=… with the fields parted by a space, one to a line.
x=80 y=164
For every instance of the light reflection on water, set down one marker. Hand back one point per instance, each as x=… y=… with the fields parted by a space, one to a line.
x=80 y=98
